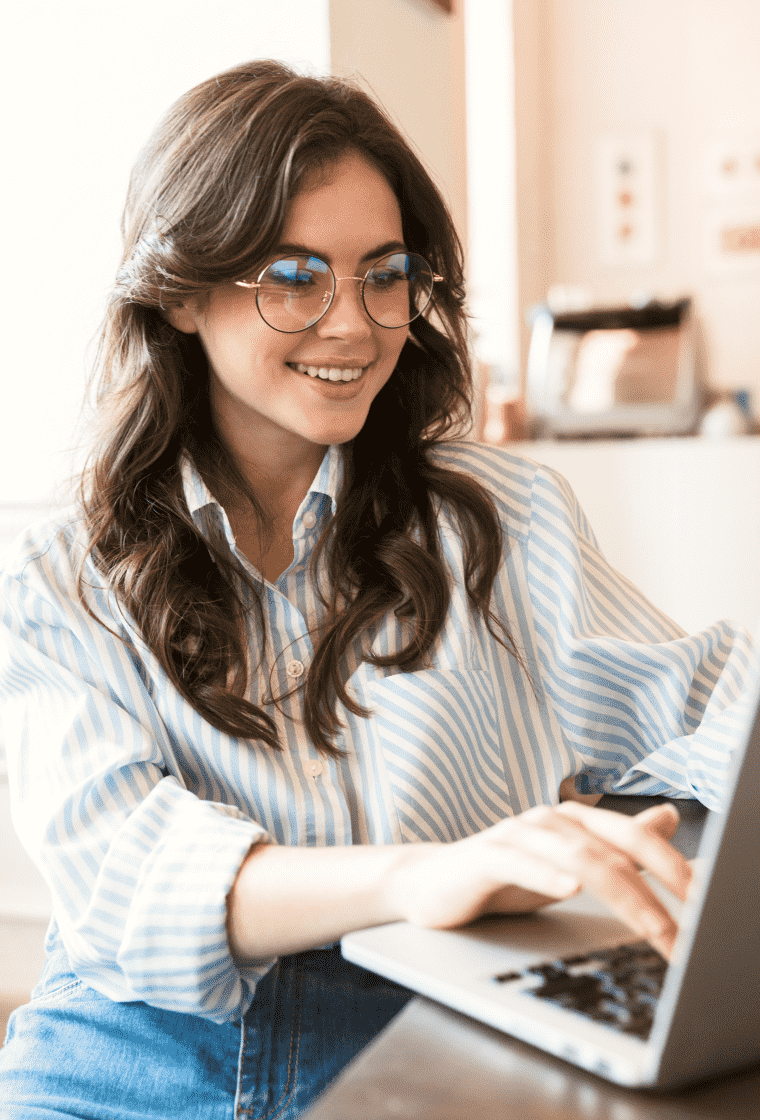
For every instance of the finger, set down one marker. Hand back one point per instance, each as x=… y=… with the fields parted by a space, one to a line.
x=662 y=819
x=607 y=871
x=644 y=837
x=528 y=871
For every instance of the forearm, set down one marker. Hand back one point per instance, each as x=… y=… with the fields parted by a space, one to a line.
x=286 y=900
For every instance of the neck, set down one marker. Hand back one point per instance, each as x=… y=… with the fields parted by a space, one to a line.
x=279 y=485
x=280 y=488
x=278 y=472
x=267 y=539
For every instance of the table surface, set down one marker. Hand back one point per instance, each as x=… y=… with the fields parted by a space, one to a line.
x=431 y=1063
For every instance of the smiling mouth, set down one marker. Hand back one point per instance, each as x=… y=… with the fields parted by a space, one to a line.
x=328 y=373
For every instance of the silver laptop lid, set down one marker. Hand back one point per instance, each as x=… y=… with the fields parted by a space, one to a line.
x=708 y=1018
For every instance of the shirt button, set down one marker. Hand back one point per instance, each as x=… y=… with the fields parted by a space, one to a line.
x=309 y=519
x=294 y=669
x=314 y=767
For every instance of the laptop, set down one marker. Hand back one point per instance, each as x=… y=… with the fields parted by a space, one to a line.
x=578 y=983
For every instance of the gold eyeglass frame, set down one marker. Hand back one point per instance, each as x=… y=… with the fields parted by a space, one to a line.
x=336 y=279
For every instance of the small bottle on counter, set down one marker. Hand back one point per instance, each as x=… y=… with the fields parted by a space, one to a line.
x=504 y=414
x=727 y=414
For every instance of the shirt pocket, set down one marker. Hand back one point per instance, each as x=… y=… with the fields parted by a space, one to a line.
x=439 y=735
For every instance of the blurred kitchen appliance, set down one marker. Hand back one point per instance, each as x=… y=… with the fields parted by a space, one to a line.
x=615 y=371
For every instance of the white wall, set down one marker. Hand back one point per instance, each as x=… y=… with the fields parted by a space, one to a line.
x=25 y=907
x=83 y=83
x=679 y=517
x=688 y=71
x=410 y=55
x=492 y=275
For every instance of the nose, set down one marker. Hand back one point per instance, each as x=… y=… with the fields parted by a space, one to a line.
x=346 y=317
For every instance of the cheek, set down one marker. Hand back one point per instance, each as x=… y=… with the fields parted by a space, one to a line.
x=237 y=345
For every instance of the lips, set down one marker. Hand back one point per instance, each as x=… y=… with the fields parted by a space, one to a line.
x=329 y=373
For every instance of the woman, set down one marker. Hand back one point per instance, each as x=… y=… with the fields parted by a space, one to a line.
x=304 y=663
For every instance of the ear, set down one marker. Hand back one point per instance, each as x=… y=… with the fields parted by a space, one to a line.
x=183 y=317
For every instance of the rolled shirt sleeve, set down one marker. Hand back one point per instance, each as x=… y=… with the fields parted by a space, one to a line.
x=644 y=707
x=139 y=866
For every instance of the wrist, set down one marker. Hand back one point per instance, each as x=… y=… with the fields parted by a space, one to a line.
x=404 y=882
x=290 y=899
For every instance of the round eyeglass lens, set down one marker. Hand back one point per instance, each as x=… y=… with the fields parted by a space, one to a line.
x=295 y=292
x=397 y=289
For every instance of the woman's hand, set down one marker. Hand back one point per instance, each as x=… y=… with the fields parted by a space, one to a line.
x=543 y=855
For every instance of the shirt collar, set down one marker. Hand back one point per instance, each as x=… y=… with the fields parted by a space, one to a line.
x=326 y=481
x=329 y=477
x=197 y=494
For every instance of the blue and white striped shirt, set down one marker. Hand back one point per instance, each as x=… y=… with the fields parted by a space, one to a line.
x=139 y=814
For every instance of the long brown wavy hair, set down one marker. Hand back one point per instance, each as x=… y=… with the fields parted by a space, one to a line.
x=207 y=202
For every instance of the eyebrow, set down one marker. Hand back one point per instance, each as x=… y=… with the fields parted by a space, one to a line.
x=373 y=254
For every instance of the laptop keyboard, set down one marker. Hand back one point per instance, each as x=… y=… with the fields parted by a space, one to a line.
x=619 y=987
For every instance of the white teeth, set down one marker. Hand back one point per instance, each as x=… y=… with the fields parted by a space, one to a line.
x=333 y=374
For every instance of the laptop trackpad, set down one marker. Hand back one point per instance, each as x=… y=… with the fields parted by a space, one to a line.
x=557 y=931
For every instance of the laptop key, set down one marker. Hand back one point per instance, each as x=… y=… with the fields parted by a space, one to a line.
x=619 y=987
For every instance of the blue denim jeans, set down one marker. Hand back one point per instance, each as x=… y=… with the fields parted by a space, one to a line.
x=72 y=1052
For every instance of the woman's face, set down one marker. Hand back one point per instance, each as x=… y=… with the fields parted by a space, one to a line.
x=266 y=409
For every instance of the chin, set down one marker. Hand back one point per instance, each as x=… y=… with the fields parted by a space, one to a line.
x=330 y=439
x=335 y=434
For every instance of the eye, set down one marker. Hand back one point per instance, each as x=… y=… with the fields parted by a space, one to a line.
x=382 y=278
x=288 y=274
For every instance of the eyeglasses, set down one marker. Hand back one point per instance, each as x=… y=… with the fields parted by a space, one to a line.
x=294 y=293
